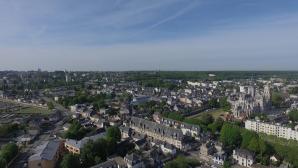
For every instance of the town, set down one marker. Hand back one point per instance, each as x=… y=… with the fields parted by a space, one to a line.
x=139 y=119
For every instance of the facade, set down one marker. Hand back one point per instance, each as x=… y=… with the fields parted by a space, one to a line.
x=116 y=162
x=271 y=129
x=168 y=149
x=243 y=157
x=46 y=155
x=125 y=132
x=219 y=158
x=250 y=101
x=133 y=161
x=160 y=132
x=74 y=146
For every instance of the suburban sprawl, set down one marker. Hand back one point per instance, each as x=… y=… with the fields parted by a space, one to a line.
x=157 y=119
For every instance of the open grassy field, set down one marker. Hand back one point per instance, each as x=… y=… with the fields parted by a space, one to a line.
x=33 y=110
x=215 y=113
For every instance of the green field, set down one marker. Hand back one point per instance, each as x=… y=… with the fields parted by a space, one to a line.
x=33 y=110
x=215 y=114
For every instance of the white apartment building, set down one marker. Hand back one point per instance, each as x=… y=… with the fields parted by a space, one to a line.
x=271 y=129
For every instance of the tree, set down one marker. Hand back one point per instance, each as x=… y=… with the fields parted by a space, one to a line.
x=277 y=99
x=216 y=126
x=9 y=151
x=230 y=135
x=94 y=152
x=3 y=162
x=254 y=145
x=207 y=119
x=224 y=104
x=76 y=131
x=70 y=161
x=227 y=164
x=114 y=132
x=50 y=105
x=293 y=115
x=213 y=103
x=247 y=136
x=87 y=154
x=182 y=162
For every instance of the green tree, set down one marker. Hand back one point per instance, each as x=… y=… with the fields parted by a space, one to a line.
x=9 y=151
x=224 y=104
x=293 y=115
x=3 y=162
x=216 y=126
x=213 y=103
x=70 y=161
x=76 y=131
x=247 y=136
x=50 y=105
x=87 y=154
x=182 y=162
x=277 y=99
x=254 y=145
x=230 y=135
x=207 y=119
x=114 y=132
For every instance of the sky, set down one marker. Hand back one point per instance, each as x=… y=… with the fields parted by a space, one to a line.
x=120 y=35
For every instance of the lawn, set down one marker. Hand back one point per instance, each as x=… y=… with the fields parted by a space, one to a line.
x=33 y=110
x=215 y=113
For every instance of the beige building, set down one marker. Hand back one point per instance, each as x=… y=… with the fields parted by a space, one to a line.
x=46 y=155
x=74 y=146
x=271 y=129
x=243 y=157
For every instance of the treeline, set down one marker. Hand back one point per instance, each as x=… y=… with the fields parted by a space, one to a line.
x=7 y=153
x=7 y=129
x=98 y=101
x=204 y=75
x=293 y=90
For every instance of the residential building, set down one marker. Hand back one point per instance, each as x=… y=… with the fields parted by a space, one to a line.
x=160 y=132
x=75 y=146
x=271 y=129
x=133 y=161
x=243 y=157
x=46 y=155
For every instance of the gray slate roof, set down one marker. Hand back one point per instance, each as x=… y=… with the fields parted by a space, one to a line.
x=157 y=128
x=46 y=151
x=79 y=144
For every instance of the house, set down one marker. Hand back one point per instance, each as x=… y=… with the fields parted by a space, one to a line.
x=219 y=158
x=160 y=132
x=46 y=155
x=243 y=157
x=125 y=132
x=191 y=130
x=133 y=161
x=116 y=162
x=75 y=146
x=168 y=149
x=66 y=127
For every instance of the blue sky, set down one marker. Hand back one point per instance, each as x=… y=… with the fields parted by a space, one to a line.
x=149 y=34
